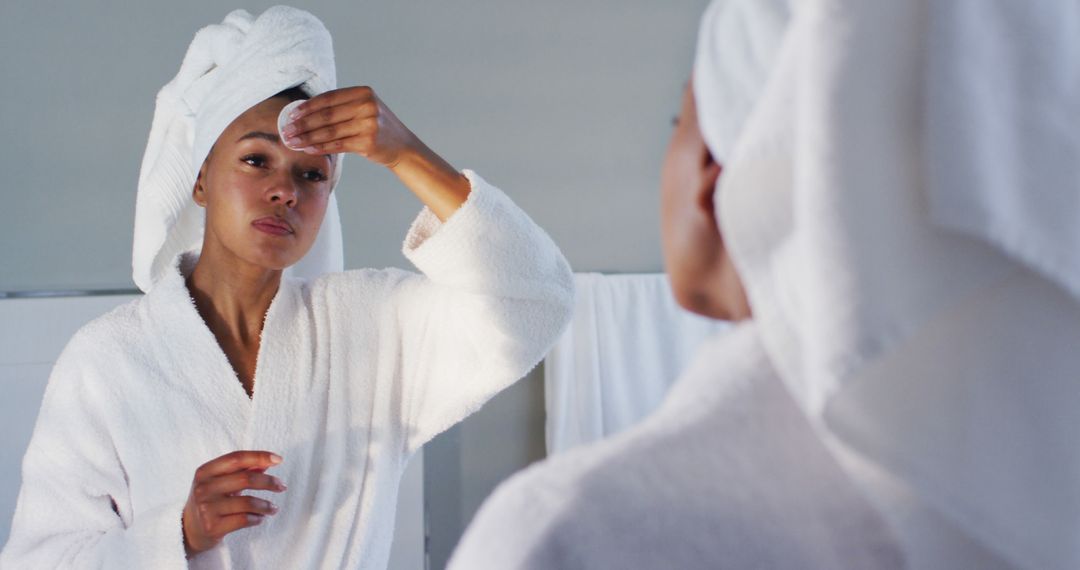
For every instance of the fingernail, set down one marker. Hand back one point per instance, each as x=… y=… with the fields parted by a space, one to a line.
x=292 y=141
x=275 y=458
x=289 y=130
x=295 y=113
x=309 y=149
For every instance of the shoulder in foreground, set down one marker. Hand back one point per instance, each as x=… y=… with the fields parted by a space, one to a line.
x=591 y=482
x=540 y=494
x=536 y=518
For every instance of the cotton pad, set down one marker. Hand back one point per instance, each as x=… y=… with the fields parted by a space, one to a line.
x=283 y=119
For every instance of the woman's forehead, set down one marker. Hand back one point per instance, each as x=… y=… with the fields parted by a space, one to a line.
x=259 y=121
x=263 y=114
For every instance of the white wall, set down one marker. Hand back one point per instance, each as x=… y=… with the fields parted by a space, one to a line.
x=32 y=334
x=565 y=104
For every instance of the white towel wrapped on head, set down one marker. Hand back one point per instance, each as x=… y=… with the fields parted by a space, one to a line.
x=229 y=68
x=735 y=49
x=902 y=208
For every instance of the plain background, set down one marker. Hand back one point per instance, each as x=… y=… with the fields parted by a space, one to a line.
x=566 y=106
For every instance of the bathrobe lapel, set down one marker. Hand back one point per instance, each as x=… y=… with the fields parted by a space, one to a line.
x=283 y=371
x=201 y=371
x=198 y=373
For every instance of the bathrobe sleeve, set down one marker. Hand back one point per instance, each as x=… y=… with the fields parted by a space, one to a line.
x=73 y=509
x=495 y=295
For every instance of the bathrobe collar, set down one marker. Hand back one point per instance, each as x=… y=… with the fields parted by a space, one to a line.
x=196 y=365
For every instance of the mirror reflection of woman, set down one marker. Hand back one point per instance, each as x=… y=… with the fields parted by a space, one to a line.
x=895 y=225
x=257 y=407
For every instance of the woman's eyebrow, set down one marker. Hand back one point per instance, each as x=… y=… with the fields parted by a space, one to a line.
x=270 y=137
x=260 y=135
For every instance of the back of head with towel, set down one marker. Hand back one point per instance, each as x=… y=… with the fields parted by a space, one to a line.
x=903 y=214
x=899 y=199
x=728 y=472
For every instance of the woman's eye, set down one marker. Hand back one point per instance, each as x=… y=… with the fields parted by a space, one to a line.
x=254 y=160
x=259 y=161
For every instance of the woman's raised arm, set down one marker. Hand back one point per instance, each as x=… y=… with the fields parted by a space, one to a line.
x=354 y=119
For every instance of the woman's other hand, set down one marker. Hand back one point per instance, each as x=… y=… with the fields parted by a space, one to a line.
x=215 y=506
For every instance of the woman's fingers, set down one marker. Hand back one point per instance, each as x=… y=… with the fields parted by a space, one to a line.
x=345 y=95
x=351 y=119
x=216 y=517
x=337 y=131
x=362 y=144
x=225 y=506
x=232 y=523
x=237 y=482
x=236 y=461
x=213 y=510
x=347 y=112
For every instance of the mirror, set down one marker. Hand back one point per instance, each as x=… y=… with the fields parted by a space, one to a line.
x=564 y=106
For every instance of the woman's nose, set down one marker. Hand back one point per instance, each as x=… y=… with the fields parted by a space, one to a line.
x=283 y=191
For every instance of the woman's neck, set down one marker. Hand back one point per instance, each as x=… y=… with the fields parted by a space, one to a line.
x=232 y=297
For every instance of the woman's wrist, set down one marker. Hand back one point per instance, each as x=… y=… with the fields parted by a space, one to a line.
x=440 y=186
x=188 y=551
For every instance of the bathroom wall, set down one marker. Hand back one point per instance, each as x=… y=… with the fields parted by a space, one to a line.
x=566 y=105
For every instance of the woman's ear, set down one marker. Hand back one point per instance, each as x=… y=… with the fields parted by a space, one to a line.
x=706 y=195
x=199 y=192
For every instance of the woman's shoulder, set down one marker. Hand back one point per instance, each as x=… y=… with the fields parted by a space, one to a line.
x=94 y=369
x=116 y=333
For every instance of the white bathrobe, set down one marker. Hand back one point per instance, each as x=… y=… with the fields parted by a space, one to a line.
x=727 y=473
x=356 y=370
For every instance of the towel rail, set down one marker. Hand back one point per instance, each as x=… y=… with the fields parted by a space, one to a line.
x=54 y=293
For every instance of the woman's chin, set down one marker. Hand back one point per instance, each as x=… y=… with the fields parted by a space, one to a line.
x=275 y=260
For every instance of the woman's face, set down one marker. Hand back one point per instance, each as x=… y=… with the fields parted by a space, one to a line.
x=702 y=275
x=264 y=202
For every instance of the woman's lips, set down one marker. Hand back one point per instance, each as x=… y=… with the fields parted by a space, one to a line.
x=272 y=226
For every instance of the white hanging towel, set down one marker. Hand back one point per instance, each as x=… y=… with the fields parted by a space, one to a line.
x=624 y=348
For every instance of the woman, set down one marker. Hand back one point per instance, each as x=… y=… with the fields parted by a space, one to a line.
x=727 y=472
x=896 y=221
x=237 y=416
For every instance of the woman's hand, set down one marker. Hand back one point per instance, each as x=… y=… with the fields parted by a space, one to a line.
x=215 y=506
x=351 y=119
